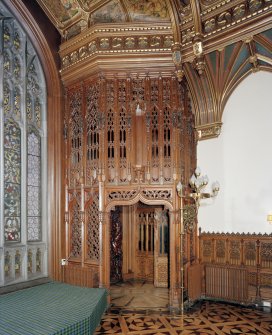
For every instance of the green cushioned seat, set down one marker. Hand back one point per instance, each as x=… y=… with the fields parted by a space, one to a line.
x=52 y=308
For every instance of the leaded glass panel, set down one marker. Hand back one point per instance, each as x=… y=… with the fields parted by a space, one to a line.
x=23 y=148
x=17 y=68
x=7 y=265
x=33 y=188
x=29 y=107
x=12 y=182
x=29 y=261
x=6 y=99
x=38 y=260
x=7 y=63
x=6 y=35
x=38 y=109
x=17 y=40
x=17 y=103
x=18 y=263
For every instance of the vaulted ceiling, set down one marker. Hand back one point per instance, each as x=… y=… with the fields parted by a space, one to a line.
x=213 y=43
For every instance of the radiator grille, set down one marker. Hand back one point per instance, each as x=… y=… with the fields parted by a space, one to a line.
x=226 y=283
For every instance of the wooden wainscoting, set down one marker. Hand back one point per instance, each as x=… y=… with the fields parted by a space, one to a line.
x=80 y=276
x=238 y=267
x=195 y=279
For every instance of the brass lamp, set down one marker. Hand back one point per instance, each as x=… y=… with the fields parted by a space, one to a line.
x=198 y=184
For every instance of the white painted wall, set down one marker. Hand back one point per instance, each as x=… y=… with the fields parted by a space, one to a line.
x=241 y=160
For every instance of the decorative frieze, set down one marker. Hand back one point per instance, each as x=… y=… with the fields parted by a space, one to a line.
x=234 y=15
x=122 y=195
x=157 y=194
x=112 y=42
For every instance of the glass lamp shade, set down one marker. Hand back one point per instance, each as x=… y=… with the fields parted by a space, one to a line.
x=216 y=186
x=269 y=218
x=197 y=171
x=179 y=187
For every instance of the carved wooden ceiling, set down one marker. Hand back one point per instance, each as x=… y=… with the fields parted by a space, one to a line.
x=213 y=43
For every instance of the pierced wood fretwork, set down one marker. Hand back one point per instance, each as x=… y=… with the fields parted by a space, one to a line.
x=123 y=131
x=75 y=131
x=110 y=126
x=75 y=230
x=92 y=223
x=92 y=133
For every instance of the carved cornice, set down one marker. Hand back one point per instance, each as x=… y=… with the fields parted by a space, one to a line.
x=111 y=45
x=208 y=131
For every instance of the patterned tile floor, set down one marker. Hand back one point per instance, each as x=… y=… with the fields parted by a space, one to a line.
x=206 y=318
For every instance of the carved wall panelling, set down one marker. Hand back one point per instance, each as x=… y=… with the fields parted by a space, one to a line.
x=75 y=226
x=92 y=231
x=242 y=254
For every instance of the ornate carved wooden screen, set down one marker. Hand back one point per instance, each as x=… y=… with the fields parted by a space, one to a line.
x=125 y=137
x=82 y=137
x=129 y=130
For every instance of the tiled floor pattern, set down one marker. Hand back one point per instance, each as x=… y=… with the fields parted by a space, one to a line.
x=133 y=294
x=209 y=319
x=140 y=309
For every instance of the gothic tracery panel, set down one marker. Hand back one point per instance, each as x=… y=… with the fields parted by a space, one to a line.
x=93 y=140
x=12 y=181
x=75 y=228
x=76 y=137
x=93 y=248
x=34 y=187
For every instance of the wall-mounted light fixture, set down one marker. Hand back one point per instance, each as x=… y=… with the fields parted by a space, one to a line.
x=198 y=184
x=269 y=218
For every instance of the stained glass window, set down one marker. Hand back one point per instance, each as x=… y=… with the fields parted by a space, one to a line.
x=34 y=187
x=23 y=149
x=12 y=181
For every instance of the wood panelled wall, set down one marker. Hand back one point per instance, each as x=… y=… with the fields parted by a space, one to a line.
x=237 y=267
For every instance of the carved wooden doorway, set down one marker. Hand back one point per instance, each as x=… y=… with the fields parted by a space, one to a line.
x=139 y=244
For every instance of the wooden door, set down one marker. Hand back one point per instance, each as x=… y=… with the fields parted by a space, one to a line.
x=161 y=248
x=145 y=244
